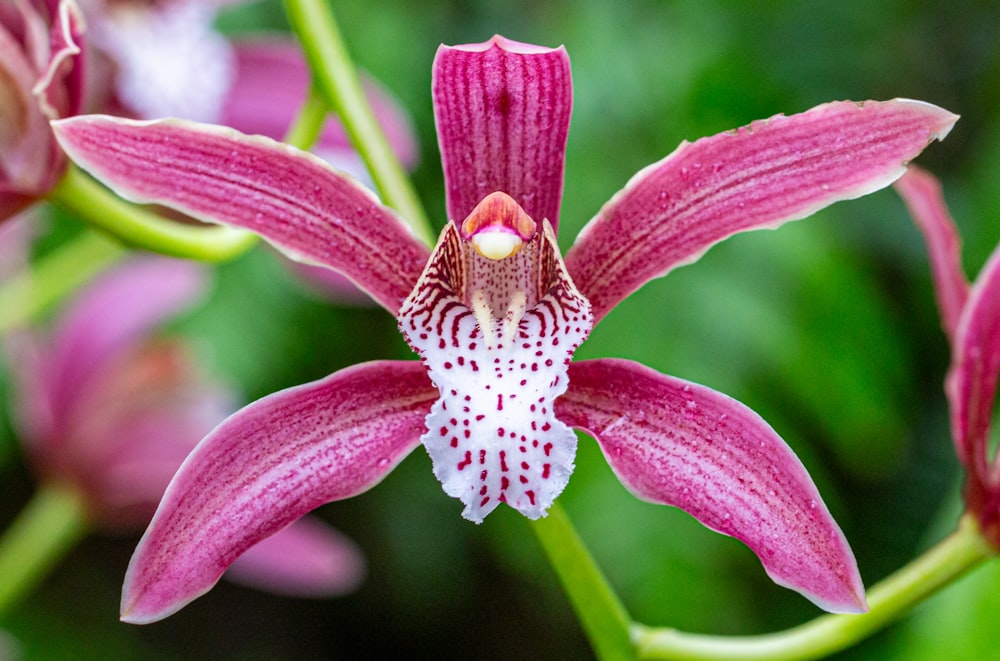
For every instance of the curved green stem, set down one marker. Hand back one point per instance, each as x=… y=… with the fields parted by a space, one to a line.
x=888 y=600
x=308 y=124
x=602 y=615
x=137 y=227
x=32 y=291
x=46 y=529
x=334 y=72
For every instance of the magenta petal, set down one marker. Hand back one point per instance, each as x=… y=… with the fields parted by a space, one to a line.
x=975 y=367
x=759 y=176
x=502 y=111
x=921 y=191
x=294 y=200
x=306 y=559
x=681 y=444
x=265 y=467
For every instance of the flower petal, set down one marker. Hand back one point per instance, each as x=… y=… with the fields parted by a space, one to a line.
x=272 y=80
x=306 y=559
x=61 y=88
x=26 y=148
x=921 y=191
x=294 y=200
x=502 y=111
x=971 y=384
x=760 y=176
x=265 y=467
x=681 y=444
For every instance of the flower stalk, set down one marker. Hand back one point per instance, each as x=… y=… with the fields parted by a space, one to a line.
x=335 y=74
x=52 y=523
x=33 y=291
x=82 y=196
x=601 y=613
x=944 y=563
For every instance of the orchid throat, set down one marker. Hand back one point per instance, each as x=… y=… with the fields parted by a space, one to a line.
x=496 y=319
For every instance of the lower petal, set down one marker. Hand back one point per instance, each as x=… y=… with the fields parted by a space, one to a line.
x=681 y=444
x=266 y=466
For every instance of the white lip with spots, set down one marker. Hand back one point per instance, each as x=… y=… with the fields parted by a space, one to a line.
x=496 y=337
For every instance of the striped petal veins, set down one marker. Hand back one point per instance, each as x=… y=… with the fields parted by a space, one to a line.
x=496 y=319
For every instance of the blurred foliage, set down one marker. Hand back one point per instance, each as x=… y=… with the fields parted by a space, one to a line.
x=826 y=327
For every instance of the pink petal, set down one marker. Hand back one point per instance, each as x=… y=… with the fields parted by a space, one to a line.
x=26 y=148
x=502 y=111
x=681 y=444
x=61 y=88
x=971 y=384
x=265 y=467
x=292 y=199
x=921 y=191
x=272 y=81
x=760 y=176
x=306 y=559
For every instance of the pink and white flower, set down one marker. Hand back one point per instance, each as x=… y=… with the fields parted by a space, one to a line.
x=495 y=313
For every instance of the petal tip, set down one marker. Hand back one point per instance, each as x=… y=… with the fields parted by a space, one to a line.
x=503 y=43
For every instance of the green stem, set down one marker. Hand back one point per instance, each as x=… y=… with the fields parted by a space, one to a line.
x=602 y=615
x=137 y=227
x=308 y=124
x=334 y=72
x=46 y=529
x=32 y=291
x=888 y=600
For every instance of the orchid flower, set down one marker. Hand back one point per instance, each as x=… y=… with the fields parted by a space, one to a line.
x=970 y=316
x=110 y=412
x=40 y=80
x=496 y=313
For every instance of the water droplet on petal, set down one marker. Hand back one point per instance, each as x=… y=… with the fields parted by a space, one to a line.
x=382 y=464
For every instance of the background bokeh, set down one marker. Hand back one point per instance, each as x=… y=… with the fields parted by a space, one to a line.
x=826 y=327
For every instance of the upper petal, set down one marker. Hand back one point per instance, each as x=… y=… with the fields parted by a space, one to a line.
x=681 y=444
x=265 y=467
x=971 y=384
x=759 y=176
x=502 y=111
x=921 y=191
x=294 y=200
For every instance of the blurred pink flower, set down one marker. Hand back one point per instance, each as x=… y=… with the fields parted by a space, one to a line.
x=40 y=79
x=110 y=410
x=496 y=314
x=970 y=316
x=164 y=58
